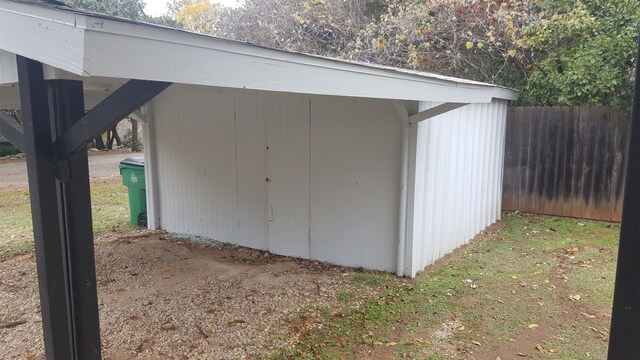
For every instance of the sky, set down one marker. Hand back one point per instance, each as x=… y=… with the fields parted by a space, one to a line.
x=159 y=7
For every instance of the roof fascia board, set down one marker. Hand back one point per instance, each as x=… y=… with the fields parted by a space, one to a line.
x=50 y=36
x=8 y=68
x=505 y=93
x=127 y=56
x=169 y=35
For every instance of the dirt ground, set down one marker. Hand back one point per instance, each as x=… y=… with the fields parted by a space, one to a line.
x=162 y=297
x=102 y=164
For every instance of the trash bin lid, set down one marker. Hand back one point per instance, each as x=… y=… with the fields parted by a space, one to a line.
x=133 y=161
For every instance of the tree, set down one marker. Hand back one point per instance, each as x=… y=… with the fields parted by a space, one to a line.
x=195 y=15
x=129 y=9
x=473 y=39
x=581 y=53
x=325 y=27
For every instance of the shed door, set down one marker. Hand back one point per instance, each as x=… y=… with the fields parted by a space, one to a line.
x=288 y=175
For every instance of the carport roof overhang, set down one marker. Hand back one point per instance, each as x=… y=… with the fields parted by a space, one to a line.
x=78 y=44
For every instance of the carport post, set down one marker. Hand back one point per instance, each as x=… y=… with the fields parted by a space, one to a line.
x=624 y=338
x=61 y=215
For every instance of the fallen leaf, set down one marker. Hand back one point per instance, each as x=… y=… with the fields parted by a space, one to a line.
x=512 y=53
x=575 y=297
x=469 y=44
x=522 y=354
x=586 y=265
x=377 y=343
x=539 y=348
x=476 y=343
x=391 y=344
x=531 y=326
x=514 y=277
x=588 y=315
x=461 y=328
x=554 y=350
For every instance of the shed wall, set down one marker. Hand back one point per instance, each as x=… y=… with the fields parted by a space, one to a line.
x=458 y=179
x=308 y=176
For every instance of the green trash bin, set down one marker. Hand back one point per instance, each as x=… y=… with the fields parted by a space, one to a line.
x=132 y=171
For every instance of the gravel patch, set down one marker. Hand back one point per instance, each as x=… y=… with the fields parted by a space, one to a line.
x=163 y=297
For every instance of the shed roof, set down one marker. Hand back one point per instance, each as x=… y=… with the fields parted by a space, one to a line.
x=76 y=43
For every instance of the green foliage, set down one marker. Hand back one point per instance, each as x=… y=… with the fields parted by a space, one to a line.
x=8 y=149
x=582 y=53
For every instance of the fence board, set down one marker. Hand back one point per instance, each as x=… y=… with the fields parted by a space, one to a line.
x=566 y=161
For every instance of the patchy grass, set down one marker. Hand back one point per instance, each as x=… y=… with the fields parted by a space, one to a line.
x=532 y=286
x=109 y=204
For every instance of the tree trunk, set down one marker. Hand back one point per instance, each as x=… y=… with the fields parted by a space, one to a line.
x=116 y=137
x=135 y=146
x=109 y=140
x=100 y=143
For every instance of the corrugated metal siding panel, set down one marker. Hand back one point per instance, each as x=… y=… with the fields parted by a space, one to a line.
x=458 y=178
x=334 y=173
x=195 y=132
x=251 y=152
x=288 y=171
x=355 y=177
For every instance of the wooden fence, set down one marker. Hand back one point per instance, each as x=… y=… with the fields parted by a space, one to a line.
x=566 y=161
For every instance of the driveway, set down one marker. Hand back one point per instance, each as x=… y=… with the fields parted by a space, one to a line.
x=102 y=164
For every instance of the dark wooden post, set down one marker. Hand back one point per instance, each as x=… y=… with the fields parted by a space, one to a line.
x=66 y=103
x=624 y=340
x=61 y=215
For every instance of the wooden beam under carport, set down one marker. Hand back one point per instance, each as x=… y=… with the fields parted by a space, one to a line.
x=625 y=314
x=61 y=203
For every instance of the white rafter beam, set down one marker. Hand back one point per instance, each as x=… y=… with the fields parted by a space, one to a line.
x=435 y=111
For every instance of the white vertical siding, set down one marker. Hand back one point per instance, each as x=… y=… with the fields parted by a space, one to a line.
x=288 y=173
x=458 y=178
x=355 y=182
x=251 y=157
x=329 y=168
x=195 y=143
x=333 y=166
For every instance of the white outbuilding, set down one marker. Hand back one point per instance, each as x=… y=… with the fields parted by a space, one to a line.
x=299 y=155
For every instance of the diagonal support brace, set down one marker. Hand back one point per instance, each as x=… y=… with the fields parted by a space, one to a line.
x=12 y=131
x=107 y=114
x=435 y=111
